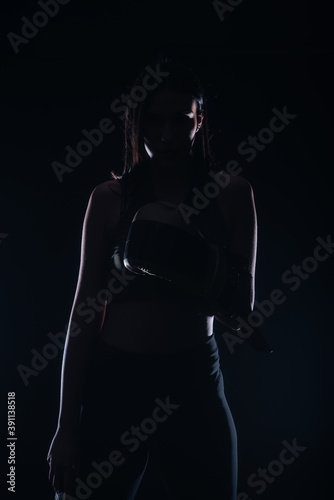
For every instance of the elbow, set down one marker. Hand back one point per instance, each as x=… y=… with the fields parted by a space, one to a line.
x=87 y=319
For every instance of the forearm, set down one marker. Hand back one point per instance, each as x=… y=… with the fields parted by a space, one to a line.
x=237 y=298
x=76 y=360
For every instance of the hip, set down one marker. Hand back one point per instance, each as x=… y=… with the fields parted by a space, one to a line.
x=124 y=388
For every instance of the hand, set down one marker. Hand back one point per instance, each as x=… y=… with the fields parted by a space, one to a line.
x=63 y=461
x=228 y=320
x=63 y=496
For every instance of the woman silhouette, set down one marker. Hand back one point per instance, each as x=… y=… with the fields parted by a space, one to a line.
x=141 y=376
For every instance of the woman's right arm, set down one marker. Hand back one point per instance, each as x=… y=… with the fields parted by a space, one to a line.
x=81 y=335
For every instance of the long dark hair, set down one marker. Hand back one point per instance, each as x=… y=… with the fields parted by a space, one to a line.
x=180 y=78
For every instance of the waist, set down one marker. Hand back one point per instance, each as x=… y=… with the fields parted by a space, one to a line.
x=154 y=326
x=147 y=287
x=206 y=348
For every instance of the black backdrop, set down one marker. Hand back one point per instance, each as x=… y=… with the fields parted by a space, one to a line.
x=262 y=55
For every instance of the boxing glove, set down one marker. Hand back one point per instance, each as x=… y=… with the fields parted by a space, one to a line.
x=160 y=243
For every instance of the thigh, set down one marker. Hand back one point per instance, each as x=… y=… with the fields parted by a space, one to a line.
x=115 y=476
x=111 y=405
x=107 y=468
x=198 y=451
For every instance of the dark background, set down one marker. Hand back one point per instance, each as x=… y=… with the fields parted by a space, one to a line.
x=263 y=55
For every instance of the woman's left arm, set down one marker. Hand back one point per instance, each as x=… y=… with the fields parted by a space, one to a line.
x=240 y=291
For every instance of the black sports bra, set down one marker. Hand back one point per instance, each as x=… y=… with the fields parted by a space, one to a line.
x=140 y=287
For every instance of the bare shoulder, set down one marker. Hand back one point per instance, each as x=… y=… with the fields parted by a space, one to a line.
x=234 y=184
x=107 y=189
x=106 y=193
x=104 y=201
x=235 y=198
x=236 y=190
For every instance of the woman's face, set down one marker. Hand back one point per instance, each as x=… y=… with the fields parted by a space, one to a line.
x=169 y=126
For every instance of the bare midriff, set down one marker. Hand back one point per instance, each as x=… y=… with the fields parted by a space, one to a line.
x=154 y=326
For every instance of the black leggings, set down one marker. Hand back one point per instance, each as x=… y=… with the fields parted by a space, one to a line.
x=169 y=408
